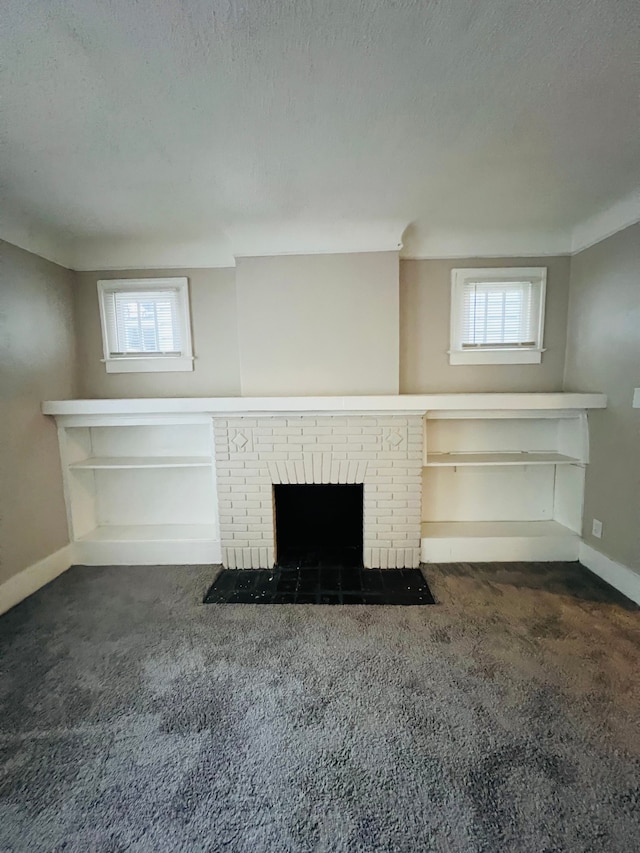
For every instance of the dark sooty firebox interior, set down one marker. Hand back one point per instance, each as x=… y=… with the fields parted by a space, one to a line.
x=318 y=525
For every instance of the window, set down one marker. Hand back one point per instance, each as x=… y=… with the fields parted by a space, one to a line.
x=497 y=315
x=145 y=325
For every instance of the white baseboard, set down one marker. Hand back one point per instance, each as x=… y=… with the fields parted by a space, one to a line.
x=624 y=579
x=29 y=580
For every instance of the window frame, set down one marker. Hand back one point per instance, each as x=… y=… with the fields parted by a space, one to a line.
x=143 y=362
x=502 y=354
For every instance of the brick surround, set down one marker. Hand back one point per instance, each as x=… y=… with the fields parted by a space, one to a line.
x=382 y=452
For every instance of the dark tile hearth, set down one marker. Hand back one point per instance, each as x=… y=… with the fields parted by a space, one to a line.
x=320 y=585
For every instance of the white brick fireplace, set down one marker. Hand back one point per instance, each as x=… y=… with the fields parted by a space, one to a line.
x=252 y=454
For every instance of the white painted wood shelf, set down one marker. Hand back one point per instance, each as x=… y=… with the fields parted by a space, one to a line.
x=223 y=406
x=503 y=485
x=113 y=462
x=460 y=459
x=140 y=493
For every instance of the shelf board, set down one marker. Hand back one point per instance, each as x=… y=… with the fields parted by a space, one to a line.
x=223 y=406
x=493 y=529
x=106 y=462
x=450 y=460
x=150 y=533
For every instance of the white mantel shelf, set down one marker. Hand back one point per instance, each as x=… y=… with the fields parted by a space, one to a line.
x=410 y=403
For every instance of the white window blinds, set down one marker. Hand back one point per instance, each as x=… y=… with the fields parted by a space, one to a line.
x=145 y=325
x=146 y=321
x=499 y=314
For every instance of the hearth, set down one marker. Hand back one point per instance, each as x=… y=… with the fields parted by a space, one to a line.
x=325 y=585
x=318 y=525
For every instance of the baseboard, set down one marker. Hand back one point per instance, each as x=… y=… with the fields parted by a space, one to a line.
x=29 y=580
x=619 y=576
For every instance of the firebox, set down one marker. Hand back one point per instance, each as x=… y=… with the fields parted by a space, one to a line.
x=318 y=525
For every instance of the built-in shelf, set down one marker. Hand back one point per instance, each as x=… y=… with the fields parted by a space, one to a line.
x=486 y=456
x=150 y=533
x=157 y=506
x=451 y=460
x=107 y=462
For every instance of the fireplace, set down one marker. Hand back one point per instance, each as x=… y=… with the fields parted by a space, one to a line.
x=372 y=463
x=318 y=525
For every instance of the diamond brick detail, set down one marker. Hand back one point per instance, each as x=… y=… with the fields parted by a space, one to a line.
x=239 y=441
x=393 y=439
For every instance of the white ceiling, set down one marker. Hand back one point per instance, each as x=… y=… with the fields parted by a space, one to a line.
x=167 y=133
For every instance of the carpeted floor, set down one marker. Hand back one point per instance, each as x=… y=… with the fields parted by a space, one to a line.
x=505 y=718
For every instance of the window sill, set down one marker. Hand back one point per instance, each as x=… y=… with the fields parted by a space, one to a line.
x=496 y=356
x=158 y=364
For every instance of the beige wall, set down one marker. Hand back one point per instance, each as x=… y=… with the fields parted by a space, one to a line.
x=603 y=354
x=425 y=297
x=322 y=324
x=216 y=370
x=37 y=362
x=318 y=324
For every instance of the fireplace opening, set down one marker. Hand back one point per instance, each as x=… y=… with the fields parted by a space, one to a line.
x=319 y=525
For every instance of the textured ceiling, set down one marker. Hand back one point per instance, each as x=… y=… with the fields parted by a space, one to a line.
x=190 y=131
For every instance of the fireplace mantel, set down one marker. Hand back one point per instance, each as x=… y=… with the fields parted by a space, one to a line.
x=264 y=406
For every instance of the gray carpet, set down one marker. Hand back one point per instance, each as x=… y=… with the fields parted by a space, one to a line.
x=134 y=718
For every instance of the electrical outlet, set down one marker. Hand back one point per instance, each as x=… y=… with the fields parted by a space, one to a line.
x=596 y=528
